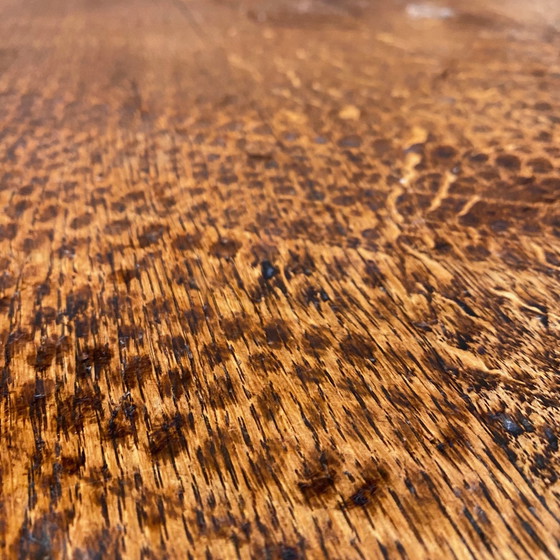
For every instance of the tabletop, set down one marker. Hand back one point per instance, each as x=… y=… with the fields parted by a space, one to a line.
x=279 y=279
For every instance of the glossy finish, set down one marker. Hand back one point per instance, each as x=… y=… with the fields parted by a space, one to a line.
x=279 y=279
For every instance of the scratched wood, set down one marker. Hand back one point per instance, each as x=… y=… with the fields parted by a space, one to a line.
x=279 y=279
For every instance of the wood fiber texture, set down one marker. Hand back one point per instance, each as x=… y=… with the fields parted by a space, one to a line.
x=279 y=279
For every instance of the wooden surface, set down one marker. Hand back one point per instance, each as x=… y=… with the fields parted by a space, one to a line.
x=279 y=279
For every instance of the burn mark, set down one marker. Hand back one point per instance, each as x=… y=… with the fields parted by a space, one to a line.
x=168 y=438
x=277 y=333
x=81 y=221
x=319 y=476
x=97 y=359
x=8 y=231
x=45 y=355
x=225 y=248
x=128 y=333
x=375 y=478
x=363 y=495
x=509 y=162
x=551 y=438
x=444 y=153
x=78 y=302
x=74 y=411
x=315 y=341
x=234 y=328
x=122 y=420
x=117 y=227
x=136 y=370
x=356 y=345
x=151 y=235
x=186 y=242
x=71 y=464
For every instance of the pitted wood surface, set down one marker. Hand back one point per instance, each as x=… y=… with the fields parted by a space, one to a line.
x=279 y=279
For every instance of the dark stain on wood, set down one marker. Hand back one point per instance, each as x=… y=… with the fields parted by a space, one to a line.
x=278 y=279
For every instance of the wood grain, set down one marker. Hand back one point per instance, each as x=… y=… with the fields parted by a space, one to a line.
x=279 y=279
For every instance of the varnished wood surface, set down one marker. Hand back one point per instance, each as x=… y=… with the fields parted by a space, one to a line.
x=279 y=279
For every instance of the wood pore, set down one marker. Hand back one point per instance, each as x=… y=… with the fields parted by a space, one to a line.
x=279 y=279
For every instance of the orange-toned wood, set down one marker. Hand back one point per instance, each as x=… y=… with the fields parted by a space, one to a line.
x=279 y=279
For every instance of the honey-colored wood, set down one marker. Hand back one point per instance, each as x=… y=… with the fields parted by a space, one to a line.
x=279 y=279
